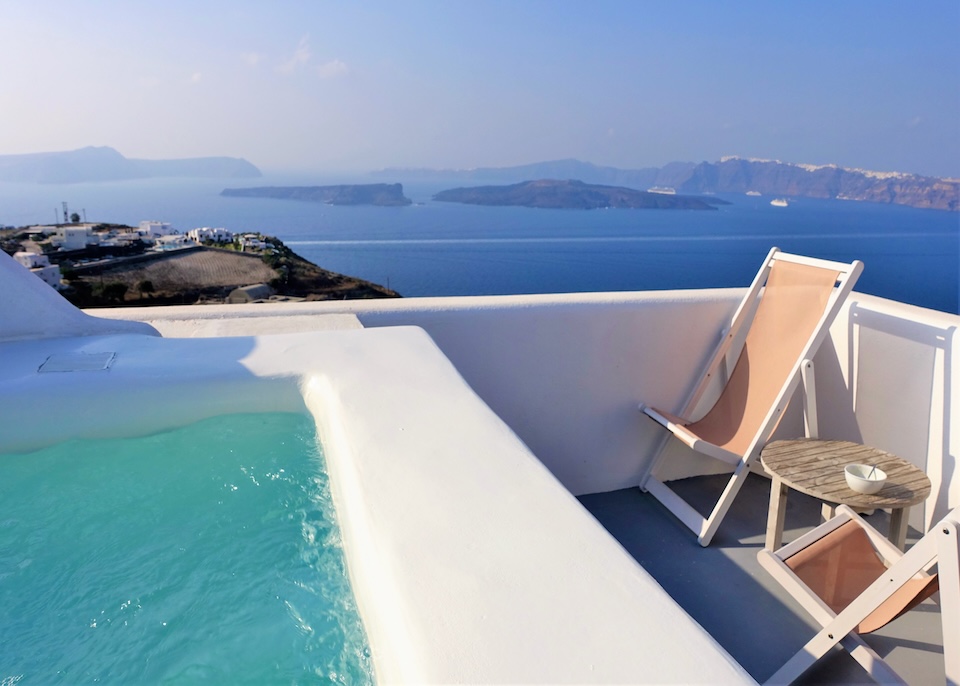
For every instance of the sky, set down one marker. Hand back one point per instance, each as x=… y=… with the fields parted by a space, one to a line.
x=356 y=86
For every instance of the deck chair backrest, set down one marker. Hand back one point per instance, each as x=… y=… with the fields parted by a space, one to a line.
x=791 y=307
x=773 y=336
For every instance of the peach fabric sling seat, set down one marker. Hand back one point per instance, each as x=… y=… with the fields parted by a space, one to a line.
x=854 y=581
x=842 y=565
x=785 y=317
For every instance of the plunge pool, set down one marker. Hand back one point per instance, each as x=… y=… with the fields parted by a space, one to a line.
x=209 y=553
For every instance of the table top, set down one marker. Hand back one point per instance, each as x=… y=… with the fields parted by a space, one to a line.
x=816 y=468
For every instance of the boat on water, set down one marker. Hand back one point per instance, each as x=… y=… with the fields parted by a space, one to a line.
x=779 y=202
x=756 y=193
x=664 y=190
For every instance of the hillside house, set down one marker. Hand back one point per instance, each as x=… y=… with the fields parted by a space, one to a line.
x=217 y=235
x=75 y=237
x=40 y=265
x=154 y=229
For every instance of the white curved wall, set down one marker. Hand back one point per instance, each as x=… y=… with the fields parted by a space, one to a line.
x=29 y=308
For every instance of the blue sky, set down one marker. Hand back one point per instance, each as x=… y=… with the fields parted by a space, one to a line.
x=353 y=86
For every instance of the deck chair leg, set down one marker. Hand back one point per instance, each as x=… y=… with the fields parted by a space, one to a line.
x=948 y=565
x=872 y=663
x=680 y=508
x=704 y=527
x=733 y=486
x=655 y=462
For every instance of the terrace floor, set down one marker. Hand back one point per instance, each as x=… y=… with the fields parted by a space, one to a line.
x=724 y=588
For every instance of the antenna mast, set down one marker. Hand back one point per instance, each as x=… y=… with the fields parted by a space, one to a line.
x=66 y=219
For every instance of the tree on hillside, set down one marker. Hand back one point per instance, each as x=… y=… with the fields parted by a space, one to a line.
x=115 y=291
x=75 y=218
x=145 y=286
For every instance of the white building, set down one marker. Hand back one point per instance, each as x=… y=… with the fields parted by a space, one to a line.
x=75 y=237
x=121 y=239
x=40 y=265
x=217 y=235
x=175 y=242
x=155 y=229
x=252 y=240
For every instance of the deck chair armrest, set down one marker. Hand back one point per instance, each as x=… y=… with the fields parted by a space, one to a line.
x=654 y=414
x=673 y=424
x=887 y=550
x=811 y=602
x=844 y=514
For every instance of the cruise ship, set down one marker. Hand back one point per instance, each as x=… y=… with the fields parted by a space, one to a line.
x=663 y=190
x=779 y=202
x=485 y=453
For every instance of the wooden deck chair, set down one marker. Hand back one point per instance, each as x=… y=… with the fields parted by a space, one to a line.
x=854 y=581
x=773 y=337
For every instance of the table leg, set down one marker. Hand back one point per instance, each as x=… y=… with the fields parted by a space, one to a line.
x=827 y=511
x=898 y=527
x=775 y=517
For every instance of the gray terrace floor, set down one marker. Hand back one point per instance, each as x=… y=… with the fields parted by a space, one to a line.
x=724 y=588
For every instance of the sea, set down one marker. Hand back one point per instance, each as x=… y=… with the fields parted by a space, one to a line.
x=443 y=249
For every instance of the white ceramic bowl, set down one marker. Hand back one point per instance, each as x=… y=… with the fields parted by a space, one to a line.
x=864 y=478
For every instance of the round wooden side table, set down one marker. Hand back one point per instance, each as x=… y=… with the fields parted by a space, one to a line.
x=815 y=467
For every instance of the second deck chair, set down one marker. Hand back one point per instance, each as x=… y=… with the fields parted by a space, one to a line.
x=854 y=581
x=780 y=324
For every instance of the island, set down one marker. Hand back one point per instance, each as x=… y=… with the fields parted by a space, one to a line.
x=383 y=194
x=553 y=194
x=728 y=175
x=104 y=164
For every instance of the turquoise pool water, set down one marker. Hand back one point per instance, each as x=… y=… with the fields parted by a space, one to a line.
x=205 y=554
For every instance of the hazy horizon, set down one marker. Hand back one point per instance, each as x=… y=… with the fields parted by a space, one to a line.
x=332 y=88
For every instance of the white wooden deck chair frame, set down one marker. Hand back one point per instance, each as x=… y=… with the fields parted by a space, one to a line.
x=940 y=545
x=733 y=336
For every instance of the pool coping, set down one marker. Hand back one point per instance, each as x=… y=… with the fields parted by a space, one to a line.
x=469 y=560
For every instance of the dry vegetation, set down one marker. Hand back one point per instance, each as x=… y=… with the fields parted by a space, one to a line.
x=197 y=269
x=208 y=275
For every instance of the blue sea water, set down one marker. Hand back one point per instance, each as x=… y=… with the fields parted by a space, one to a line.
x=431 y=248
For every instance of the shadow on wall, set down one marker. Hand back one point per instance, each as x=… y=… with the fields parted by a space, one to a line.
x=900 y=379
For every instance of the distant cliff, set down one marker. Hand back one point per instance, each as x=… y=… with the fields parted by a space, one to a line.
x=770 y=177
x=386 y=194
x=570 y=195
x=93 y=164
x=729 y=175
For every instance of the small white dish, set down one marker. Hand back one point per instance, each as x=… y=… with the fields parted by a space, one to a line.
x=864 y=478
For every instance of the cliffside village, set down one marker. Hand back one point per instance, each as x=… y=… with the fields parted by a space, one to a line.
x=48 y=250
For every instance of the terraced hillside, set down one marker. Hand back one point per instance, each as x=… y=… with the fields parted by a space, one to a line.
x=209 y=275
x=194 y=269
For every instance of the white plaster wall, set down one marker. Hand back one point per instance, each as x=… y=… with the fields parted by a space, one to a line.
x=566 y=372
x=890 y=377
x=29 y=308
